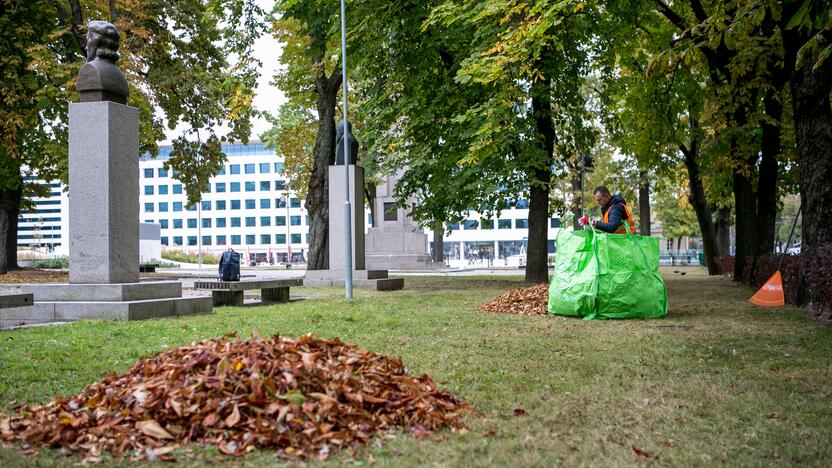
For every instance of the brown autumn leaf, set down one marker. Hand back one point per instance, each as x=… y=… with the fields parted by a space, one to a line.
x=518 y=412
x=641 y=452
x=153 y=429
x=303 y=397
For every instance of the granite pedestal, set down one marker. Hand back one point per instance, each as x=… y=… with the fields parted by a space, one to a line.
x=334 y=276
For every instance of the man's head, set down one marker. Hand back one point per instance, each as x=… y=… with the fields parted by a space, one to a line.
x=602 y=196
x=102 y=41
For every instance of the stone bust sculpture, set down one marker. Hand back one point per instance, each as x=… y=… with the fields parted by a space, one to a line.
x=99 y=78
x=339 y=144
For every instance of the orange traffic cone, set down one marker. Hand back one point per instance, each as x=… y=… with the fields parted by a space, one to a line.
x=771 y=294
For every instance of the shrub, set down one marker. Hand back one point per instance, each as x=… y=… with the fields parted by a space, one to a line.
x=53 y=263
x=817 y=268
x=183 y=257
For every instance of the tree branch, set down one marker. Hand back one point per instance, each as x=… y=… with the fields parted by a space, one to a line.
x=698 y=10
x=671 y=15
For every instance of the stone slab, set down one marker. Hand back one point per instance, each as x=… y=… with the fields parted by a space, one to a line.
x=247 y=285
x=36 y=311
x=63 y=292
x=336 y=216
x=15 y=300
x=103 y=193
x=339 y=275
x=131 y=310
x=385 y=284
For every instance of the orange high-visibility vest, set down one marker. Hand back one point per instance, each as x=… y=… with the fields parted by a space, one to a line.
x=621 y=229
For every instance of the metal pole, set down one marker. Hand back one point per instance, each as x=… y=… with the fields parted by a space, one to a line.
x=789 y=241
x=288 y=231
x=583 y=159
x=347 y=208
x=199 y=231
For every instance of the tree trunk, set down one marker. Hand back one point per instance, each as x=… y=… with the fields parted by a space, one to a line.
x=700 y=205
x=317 y=200
x=745 y=211
x=438 y=242
x=813 y=134
x=644 y=204
x=9 y=211
x=537 y=250
x=723 y=231
x=576 y=198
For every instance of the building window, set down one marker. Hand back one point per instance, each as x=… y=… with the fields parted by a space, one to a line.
x=294 y=203
x=522 y=204
x=521 y=223
x=192 y=223
x=249 y=186
x=251 y=204
x=504 y=224
x=177 y=224
x=222 y=170
x=206 y=205
x=265 y=220
x=265 y=239
x=220 y=222
x=486 y=224
x=206 y=240
x=191 y=240
x=280 y=203
x=265 y=203
x=192 y=207
x=164 y=240
x=391 y=213
x=251 y=221
x=163 y=190
x=177 y=189
x=206 y=222
x=265 y=185
x=163 y=207
x=278 y=167
x=279 y=184
x=279 y=220
x=453 y=226
x=235 y=239
x=235 y=222
x=177 y=206
x=148 y=207
x=148 y=173
x=220 y=187
x=177 y=240
x=554 y=223
x=235 y=186
x=264 y=168
x=235 y=169
x=249 y=239
x=470 y=225
x=280 y=239
x=294 y=220
x=235 y=204
x=296 y=238
x=163 y=223
x=220 y=204
x=148 y=190
x=175 y=173
x=162 y=172
x=220 y=240
x=249 y=169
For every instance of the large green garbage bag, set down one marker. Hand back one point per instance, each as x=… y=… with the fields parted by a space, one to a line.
x=607 y=276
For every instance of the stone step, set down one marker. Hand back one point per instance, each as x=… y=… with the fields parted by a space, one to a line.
x=70 y=292
x=15 y=300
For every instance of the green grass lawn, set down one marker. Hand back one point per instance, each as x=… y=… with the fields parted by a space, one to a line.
x=716 y=382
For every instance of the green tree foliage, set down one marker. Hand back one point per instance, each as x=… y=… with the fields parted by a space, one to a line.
x=293 y=135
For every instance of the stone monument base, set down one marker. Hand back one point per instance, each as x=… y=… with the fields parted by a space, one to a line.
x=61 y=302
x=367 y=279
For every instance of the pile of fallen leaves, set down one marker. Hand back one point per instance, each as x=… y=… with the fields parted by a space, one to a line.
x=34 y=276
x=302 y=397
x=522 y=301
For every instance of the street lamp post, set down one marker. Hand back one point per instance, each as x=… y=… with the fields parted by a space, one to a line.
x=288 y=231
x=347 y=208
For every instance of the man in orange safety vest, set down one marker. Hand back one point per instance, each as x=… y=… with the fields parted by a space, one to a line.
x=614 y=213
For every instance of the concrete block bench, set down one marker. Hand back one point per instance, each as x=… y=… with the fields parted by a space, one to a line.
x=231 y=292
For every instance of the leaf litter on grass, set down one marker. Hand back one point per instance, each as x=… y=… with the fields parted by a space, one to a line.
x=521 y=301
x=303 y=397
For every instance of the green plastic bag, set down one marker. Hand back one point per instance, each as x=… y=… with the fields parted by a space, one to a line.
x=606 y=276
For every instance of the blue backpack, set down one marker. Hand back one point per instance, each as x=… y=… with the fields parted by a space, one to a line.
x=230 y=266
